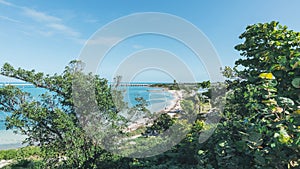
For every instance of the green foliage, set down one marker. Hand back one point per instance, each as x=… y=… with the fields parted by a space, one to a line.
x=174 y=86
x=228 y=72
x=187 y=105
x=170 y=86
x=20 y=153
x=139 y=110
x=50 y=120
x=204 y=84
x=161 y=124
x=271 y=48
x=25 y=164
x=180 y=156
x=118 y=95
x=26 y=157
x=260 y=128
x=8 y=154
x=141 y=105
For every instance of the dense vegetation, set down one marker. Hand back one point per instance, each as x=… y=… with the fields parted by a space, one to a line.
x=177 y=86
x=260 y=126
x=50 y=121
x=20 y=153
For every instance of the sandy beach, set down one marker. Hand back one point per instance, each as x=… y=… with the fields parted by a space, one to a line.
x=171 y=108
x=175 y=103
x=4 y=163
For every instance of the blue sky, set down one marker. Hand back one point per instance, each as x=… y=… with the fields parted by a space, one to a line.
x=46 y=35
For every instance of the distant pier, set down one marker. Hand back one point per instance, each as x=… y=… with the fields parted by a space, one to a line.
x=134 y=84
x=150 y=84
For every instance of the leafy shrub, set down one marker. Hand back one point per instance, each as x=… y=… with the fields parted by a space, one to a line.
x=20 y=153
x=260 y=128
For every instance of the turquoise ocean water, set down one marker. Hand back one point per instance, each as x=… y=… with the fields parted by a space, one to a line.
x=156 y=98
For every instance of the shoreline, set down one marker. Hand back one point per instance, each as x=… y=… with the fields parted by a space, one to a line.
x=173 y=106
x=170 y=107
x=175 y=102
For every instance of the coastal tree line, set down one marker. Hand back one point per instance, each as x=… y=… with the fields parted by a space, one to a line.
x=259 y=128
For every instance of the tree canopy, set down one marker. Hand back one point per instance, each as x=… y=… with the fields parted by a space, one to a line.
x=50 y=121
x=259 y=128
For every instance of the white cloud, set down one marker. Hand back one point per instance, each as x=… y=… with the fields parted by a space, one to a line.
x=40 y=16
x=6 y=3
x=64 y=29
x=10 y=19
x=52 y=24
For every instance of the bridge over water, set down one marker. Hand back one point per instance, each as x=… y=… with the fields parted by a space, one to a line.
x=135 y=84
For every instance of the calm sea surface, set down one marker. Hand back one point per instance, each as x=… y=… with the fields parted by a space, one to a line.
x=156 y=98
